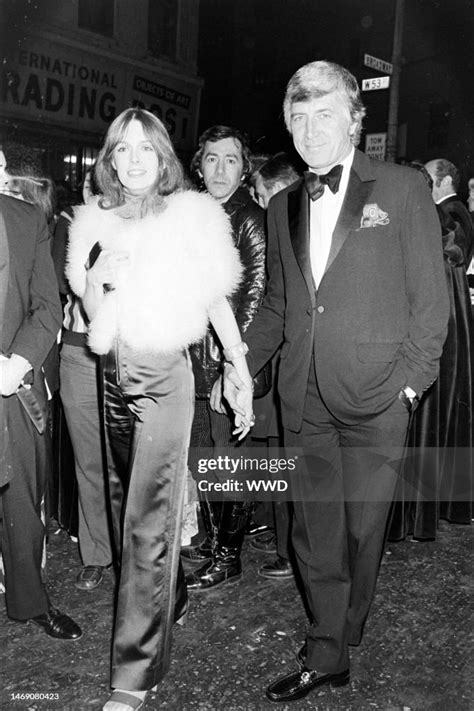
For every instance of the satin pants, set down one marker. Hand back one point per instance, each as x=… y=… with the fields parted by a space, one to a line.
x=148 y=409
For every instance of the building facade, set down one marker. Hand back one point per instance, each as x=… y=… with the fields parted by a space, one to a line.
x=71 y=66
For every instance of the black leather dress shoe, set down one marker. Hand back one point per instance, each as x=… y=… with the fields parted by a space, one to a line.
x=255 y=529
x=265 y=542
x=89 y=577
x=298 y=684
x=280 y=569
x=58 y=625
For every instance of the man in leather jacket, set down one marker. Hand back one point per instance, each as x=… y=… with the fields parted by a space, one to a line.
x=222 y=164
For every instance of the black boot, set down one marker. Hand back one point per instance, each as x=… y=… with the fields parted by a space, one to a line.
x=210 y=514
x=225 y=565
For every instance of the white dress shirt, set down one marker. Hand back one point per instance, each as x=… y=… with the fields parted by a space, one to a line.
x=323 y=216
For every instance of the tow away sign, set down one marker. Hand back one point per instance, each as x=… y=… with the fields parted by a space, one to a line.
x=375 y=145
x=375 y=83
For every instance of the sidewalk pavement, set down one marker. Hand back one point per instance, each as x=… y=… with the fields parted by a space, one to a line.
x=417 y=652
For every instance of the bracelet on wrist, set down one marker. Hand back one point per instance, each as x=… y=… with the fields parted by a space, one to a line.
x=236 y=351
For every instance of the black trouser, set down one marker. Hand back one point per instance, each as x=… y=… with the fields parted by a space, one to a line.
x=342 y=498
x=22 y=530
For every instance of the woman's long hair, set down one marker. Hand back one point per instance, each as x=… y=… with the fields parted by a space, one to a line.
x=39 y=191
x=170 y=172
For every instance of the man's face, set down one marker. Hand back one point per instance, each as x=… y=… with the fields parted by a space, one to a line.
x=321 y=129
x=438 y=190
x=262 y=193
x=222 y=167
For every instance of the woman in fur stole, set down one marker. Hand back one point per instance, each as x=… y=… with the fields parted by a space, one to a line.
x=153 y=263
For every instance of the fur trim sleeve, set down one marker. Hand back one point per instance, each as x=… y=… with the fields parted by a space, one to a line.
x=214 y=256
x=84 y=232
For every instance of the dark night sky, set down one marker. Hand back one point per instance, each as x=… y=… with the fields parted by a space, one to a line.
x=248 y=49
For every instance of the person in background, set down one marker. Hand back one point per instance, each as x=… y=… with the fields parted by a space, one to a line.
x=274 y=174
x=446 y=179
x=271 y=176
x=25 y=183
x=40 y=191
x=437 y=479
x=79 y=392
x=222 y=165
x=357 y=301
x=30 y=316
x=3 y=172
x=152 y=263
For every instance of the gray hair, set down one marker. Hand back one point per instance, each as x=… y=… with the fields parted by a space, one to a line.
x=317 y=79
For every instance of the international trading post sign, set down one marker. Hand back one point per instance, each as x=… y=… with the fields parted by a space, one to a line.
x=55 y=84
x=375 y=145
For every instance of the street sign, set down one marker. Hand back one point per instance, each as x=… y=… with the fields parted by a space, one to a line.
x=375 y=83
x=378 y=64
x=375 y=145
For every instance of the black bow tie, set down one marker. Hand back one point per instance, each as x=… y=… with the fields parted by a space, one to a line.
x=315 y=183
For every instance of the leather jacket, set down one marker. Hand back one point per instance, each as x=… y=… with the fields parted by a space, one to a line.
x=248 y=230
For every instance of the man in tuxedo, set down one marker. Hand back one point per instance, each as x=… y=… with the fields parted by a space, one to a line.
x=445 y=177
x=30 y=317
x=357 y=302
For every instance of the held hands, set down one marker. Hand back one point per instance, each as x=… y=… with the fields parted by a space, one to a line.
x=215 y=401
x=239 y=395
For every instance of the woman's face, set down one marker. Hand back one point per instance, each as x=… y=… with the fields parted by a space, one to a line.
x=135 y=160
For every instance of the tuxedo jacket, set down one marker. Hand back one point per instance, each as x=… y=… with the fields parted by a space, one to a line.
x=30 y=311
x=378 y=320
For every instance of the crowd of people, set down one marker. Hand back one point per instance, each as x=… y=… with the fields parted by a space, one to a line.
x=243 y=304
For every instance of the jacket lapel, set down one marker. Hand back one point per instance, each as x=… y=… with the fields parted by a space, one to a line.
x=4 y=274
x=298 y=221
x=357 y=195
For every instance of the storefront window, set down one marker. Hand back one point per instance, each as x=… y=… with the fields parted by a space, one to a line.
x=97 y=16
x=77 y=163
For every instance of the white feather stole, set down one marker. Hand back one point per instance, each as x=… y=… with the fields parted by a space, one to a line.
x=181 y=262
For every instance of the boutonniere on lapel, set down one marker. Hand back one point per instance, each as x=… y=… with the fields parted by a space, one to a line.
x=372 y=216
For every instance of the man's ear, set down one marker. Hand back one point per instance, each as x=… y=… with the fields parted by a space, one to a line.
x=447 y=181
